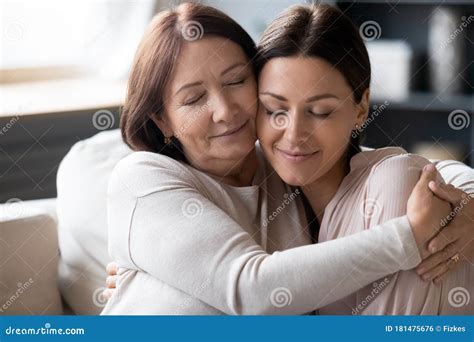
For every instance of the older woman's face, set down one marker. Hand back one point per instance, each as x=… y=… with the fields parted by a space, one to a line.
x=306 y=117
x=211 y=104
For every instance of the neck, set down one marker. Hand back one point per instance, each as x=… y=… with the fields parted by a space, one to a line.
x=243 y=173
x=320 y=192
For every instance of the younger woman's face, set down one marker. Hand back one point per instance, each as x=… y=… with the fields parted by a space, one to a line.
x=306 y=116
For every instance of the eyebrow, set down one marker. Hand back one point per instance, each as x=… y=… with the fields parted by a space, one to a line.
x=226 y=70
x=189 y=85
x=309 y=99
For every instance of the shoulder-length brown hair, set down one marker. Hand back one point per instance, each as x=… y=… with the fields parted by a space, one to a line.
x=322 y=31
x=154 y=63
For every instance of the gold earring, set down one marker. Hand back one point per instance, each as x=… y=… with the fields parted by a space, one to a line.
x=167 y=140
x=357 y=126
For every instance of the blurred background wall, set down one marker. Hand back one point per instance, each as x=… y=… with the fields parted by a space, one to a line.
x=64 y=66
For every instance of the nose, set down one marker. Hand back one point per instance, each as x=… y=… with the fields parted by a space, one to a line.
x=297 y=130
x=224 y=109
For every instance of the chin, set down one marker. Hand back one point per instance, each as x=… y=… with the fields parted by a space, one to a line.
x=238 y=150
x=291 y=179
x=296 y=176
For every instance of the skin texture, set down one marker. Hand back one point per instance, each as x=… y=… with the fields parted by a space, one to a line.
x=203 y=103
x=310 y=112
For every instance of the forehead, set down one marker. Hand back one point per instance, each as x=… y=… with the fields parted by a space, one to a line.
x=204 y=58
x=302 y=75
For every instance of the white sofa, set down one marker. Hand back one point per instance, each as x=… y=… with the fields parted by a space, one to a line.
x=53 y=252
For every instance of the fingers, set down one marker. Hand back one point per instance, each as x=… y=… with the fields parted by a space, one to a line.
x=443 y=273
x=107 y=293
x=427 y=175
x=445 y=237
x=111 y=282
x=421 y=190
x=111 y=268
x=446 y=192
x=439 y=272
x=430 y=263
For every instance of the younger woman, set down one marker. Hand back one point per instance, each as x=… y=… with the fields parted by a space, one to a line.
x=314 y=89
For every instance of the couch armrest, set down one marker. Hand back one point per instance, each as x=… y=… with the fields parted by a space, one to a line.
x=29 y=256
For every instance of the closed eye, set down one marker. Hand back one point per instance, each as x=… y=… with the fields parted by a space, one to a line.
x=193 y=100
x=276 y=112
x=236 y=82
x=320 y=114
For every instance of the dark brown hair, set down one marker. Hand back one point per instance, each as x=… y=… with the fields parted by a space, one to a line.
x=319 y=31
x=153 y=66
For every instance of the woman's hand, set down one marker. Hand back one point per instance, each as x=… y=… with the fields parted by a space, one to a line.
x=426 y=211
x=111 y=280
x=454 y=243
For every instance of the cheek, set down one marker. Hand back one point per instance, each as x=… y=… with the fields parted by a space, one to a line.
x=191 y=127
x=248 y=98
x=333 y=140
x=265 y=133
x=334 y=134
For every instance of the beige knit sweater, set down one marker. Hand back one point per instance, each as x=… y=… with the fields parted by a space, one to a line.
x=187 y=244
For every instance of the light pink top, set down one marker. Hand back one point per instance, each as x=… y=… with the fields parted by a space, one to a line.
x=376 y=190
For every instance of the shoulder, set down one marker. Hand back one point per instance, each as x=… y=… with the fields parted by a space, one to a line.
x=149 y=160
x=457 y=173
x=390 y=169
x=389 y=162
x=144 y=172
x=390 y=180
x=399 y=165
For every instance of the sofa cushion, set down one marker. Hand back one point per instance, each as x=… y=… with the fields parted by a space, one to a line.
x=82 y=219
x=28 y=261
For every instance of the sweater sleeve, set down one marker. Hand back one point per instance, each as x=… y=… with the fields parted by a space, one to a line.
x=457 y=174
x=162 y=223
x=403 y=293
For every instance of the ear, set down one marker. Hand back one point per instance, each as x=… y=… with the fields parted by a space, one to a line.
x=162 y=124
x=363 y=107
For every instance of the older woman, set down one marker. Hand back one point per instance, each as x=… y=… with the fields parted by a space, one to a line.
x=200 y=223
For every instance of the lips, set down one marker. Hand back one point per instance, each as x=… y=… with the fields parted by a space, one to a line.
x=295 y=155
x=231 y=131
